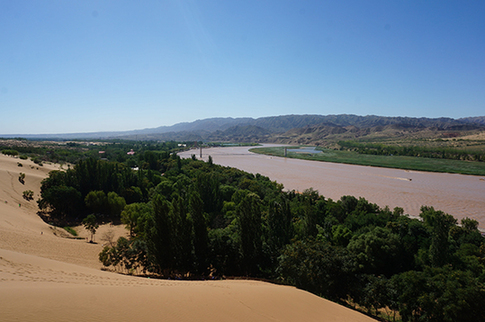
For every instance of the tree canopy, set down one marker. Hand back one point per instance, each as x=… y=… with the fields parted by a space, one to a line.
x=188 y=218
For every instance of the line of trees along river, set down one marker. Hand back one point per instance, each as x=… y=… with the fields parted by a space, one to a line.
x=193 y=219
x=414 y=151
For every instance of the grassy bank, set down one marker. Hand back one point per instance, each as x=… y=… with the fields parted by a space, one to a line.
x=398 y=162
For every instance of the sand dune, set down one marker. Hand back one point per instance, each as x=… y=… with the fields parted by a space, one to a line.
x=44 y=277
x=39 y=289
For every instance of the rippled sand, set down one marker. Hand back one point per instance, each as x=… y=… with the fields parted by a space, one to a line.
x=459 y=195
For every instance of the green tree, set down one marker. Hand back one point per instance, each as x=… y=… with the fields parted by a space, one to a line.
x=201 y=239
x=341 y=235
x=377 y=251
x=116 y=204
x=319 y=268
x=132 y=194
x=159 y=235
x=224 y=251
x=128 y=255
x=208 y=185
x=97 y=202
x=182 y=227
x=279 y=222
x=63 y=201
x=376 y=293
x=440 y=294
x=469 y=224
x=91 y=224
x=134 y=217
x=411 y=286
x=349 y=204
x=467 y=233
x=10 y=152
x=310 y=214
x=439 y=224
x=248 y=214
x=279 y=228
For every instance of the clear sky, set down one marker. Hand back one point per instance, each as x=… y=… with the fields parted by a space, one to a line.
x=85 y=66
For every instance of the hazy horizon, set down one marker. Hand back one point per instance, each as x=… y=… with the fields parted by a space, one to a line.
x=27 y=135
x=89 y=66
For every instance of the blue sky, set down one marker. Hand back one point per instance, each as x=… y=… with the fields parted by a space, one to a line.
x=85 y=66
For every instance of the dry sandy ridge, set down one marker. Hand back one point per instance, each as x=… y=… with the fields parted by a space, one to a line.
x=44 y=277
x=478 y=136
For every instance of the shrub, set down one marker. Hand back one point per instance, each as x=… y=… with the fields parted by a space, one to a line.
x=22 y=177
x=10 y=152
x=37 y=160
x=70 y=230
x=28 y=195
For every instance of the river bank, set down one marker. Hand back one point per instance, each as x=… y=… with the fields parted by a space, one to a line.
x=458 y=195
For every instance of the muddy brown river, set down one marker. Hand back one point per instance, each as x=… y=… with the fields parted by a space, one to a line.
x=459 y=195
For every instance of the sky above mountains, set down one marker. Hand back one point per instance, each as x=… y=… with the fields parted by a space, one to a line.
x=86 y=66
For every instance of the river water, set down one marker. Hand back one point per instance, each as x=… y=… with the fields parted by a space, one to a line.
x=458 y=195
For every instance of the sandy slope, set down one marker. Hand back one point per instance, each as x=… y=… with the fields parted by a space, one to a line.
x=44 y=277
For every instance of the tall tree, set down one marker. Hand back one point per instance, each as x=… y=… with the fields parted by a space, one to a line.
x=182 y=230
x=116 y=204
x=201 y=240
x=319 y=268
x=91 y=224
x=248 y=213
x=65 y=202
x=377 y=251
x=439 y=224
x=134 y=216
x=97 y=202
x=159 y=234
x=279 y=224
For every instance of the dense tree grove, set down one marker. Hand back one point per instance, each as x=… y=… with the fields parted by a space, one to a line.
x=73 y=151
x=414 y=151
x=192 y=219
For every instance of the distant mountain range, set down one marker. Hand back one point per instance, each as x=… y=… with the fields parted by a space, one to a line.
x=284 y=129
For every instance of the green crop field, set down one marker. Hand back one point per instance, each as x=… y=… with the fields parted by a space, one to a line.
x=398 y=162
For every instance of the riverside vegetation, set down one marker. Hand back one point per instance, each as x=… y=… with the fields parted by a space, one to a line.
x=439 y=145
x=390 y=156
x=188 y=218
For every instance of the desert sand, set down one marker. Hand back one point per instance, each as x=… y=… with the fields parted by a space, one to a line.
x=47 y=277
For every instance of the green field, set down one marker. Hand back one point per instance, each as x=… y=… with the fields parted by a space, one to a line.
x=398 y=162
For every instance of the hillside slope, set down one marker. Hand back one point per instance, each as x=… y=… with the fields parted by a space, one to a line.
x=285 y=128
x=48 y=278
